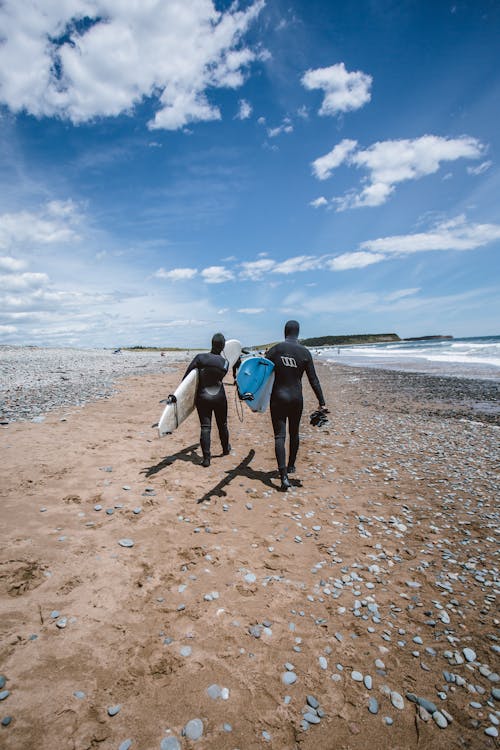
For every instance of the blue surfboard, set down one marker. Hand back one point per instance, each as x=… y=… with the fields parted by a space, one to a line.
x=255 y=381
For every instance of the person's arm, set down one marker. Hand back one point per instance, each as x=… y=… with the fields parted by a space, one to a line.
x=313 y=380
x=192 y=366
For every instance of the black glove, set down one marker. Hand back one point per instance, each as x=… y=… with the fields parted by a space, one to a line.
x=318 y=418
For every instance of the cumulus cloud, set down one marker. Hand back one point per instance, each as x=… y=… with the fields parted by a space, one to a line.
x=176 y=274
x=254 y=270
x=217 y=274
x=318 y=202
x=244 y=110
x=21 y=281
x=324 y=165
x=55 y=222
x=7 y=263
x=83 y=59
x=390 y=162
x=344 y=91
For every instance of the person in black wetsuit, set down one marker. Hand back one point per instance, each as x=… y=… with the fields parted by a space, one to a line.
x=211 y=396
x=291 y=360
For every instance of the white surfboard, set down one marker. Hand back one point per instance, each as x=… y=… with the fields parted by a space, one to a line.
x=182 y=404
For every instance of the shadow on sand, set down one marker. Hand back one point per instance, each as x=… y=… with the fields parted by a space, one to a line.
x=242 y=470
x=186 y=454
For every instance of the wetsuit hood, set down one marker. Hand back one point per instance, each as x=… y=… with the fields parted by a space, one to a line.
x=292 y=329
x=218 y=343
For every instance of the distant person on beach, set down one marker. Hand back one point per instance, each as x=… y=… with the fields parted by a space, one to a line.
x=291 y=360
x=211 y=396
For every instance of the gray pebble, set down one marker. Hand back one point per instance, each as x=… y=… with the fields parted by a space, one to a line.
x=440 y=719
x=357 y=676
x=227 y=727
x=2 y=681
x=388 y=720
x=79 y=694
x=491 y=731
x=397 y=700
x=373 y=706
x=266 y=736
x=288 y=678
x=170 y=743
x=5 y=694
x=496 y=693
x=214 y=692
x=113 y=710
x=136 y=511
x=311 y=701
x=6 y=721
x=109 y=511
x=54 y=614
x=125 y=745
x=186 y=651
x=323 y=662
x=368 y=682
x=126 y=543
x=62 y=623
x=193 y=729
x=469 y=654
x=312 y=718
x=250 y=578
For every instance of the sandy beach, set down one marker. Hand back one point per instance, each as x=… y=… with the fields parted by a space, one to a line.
x=372 y=587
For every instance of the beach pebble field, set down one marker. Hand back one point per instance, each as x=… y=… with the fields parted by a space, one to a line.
x=175 y=607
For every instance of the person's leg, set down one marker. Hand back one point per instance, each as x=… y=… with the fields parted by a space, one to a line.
x=278 y=417
x=220 y=411
x=293 y=429
x=205 y=414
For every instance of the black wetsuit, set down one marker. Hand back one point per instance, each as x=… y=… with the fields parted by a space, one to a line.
x=211 y=397
x=291 y=360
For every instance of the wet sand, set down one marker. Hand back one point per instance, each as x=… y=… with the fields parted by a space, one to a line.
x=383 y=563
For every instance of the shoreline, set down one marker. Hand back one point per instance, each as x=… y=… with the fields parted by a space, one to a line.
x=65 y=386
x=374 y=580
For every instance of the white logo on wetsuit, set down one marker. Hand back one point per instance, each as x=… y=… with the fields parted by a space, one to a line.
x=289 y=361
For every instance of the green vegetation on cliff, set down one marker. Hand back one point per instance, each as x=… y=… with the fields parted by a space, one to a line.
x=365 y=338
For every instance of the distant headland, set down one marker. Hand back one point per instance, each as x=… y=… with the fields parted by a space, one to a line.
x=365 y=338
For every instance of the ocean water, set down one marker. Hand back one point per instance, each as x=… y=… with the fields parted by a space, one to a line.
x=477 y=357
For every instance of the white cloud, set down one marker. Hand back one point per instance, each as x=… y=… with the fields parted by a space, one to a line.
x=285 y=127
x=254 y=270
x=8 y=263
x=82 y=59
x=176 y=274
x=451 y=235
x=299 y=263
x=391 y=162
x=7 y=329
x=358 y=259
x=485 y=165
x=318 y=202
x=251 y=310
x=324 y=165
x=344 y=91
x=217 y=274
x=244 y=111
x=54 y=223
x=22 y=281
x=402 y=293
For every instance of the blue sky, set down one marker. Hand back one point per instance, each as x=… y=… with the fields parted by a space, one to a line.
x=169 y=169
